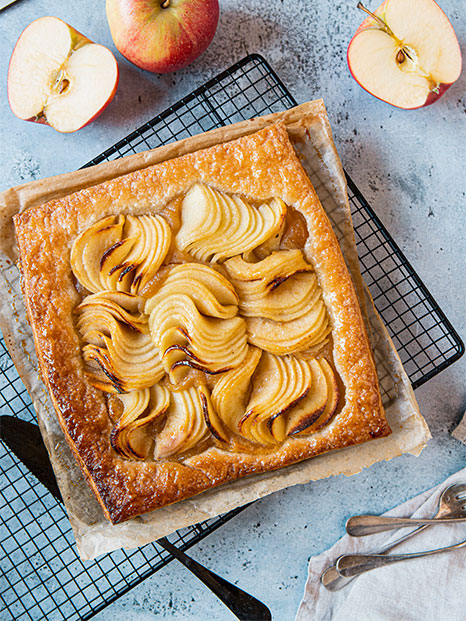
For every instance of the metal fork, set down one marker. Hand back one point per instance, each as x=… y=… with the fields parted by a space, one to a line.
x=354 y=564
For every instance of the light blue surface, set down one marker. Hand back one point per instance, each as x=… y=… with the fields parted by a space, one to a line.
x=410 y=167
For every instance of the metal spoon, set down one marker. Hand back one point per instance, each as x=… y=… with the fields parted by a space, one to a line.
x=452 y=509
x=333 y=581
x=355 y=564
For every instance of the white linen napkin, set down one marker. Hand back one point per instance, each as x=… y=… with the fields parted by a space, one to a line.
x=429 y=588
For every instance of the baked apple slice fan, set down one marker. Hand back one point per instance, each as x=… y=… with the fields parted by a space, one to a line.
x=204 y=333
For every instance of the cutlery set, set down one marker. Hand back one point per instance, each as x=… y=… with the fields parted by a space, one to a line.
x=451 y=509
x=26 y=443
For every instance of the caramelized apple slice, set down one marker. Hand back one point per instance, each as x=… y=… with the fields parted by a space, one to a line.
x=291 y=300
x=212 y=293
x=271 y=271
x=216 y=226
x=230 y=392
x=120 y=252
x=279 y=337
x=89 y=247
x=281 y=287
x=198 y=223
x=182 y=329
x=332 y=399
x=279 y=384
x=129 y=436
x=185 y=426
x=118 y=350
x=310 y=408
x=150 y=238
x=211 y=417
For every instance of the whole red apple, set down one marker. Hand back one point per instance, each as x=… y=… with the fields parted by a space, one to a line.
x=405 y=53
x=58 y=77
x=162 y=35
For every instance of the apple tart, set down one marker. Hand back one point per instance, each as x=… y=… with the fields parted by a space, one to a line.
x=195 y=323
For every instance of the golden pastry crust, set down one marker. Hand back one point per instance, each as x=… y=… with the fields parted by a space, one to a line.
x=259 y=166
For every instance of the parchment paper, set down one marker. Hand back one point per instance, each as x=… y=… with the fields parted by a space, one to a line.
x=310 y=132
x=460 y=432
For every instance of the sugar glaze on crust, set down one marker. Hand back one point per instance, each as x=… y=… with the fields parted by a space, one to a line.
x=259 y=166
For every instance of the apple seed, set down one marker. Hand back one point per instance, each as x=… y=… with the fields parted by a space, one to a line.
x=63 y=85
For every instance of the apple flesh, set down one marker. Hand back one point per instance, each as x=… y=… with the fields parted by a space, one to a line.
x=59 y=77
x=405 y=53
x=162 y=35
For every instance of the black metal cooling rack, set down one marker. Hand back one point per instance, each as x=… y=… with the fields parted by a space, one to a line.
x=42 y=576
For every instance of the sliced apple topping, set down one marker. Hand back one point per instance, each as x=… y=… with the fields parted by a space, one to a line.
x=289 y=396
x=118 y=350
x=130 y=437
x=282 y=301
x=279 y=337
x=281 y=287
x=193 y=324
x=271 y=271
x=186 y=424
x=186 y=338
x=209 y=290
x=318 y=408
x=231 y=390
x=279 y=384
x=289 y=301
x=216 y=226
x=120 y=252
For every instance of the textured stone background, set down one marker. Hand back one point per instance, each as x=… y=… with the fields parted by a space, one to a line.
x=410 y=167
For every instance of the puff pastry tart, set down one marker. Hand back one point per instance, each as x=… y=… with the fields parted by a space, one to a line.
x=195 y=323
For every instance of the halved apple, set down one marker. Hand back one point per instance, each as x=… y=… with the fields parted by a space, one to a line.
x=129 y=436
x=216 y=226
x=59 y=77
x=405 y=53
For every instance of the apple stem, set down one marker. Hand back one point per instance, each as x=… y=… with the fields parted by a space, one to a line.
x=165 y=4
x=376 y=18
x=403 y=53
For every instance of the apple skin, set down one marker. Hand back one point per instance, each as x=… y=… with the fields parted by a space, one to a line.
x=432 y=97
x=159 y=39
x=81 y=39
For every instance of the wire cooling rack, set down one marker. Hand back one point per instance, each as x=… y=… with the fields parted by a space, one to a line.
x=42 y=575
